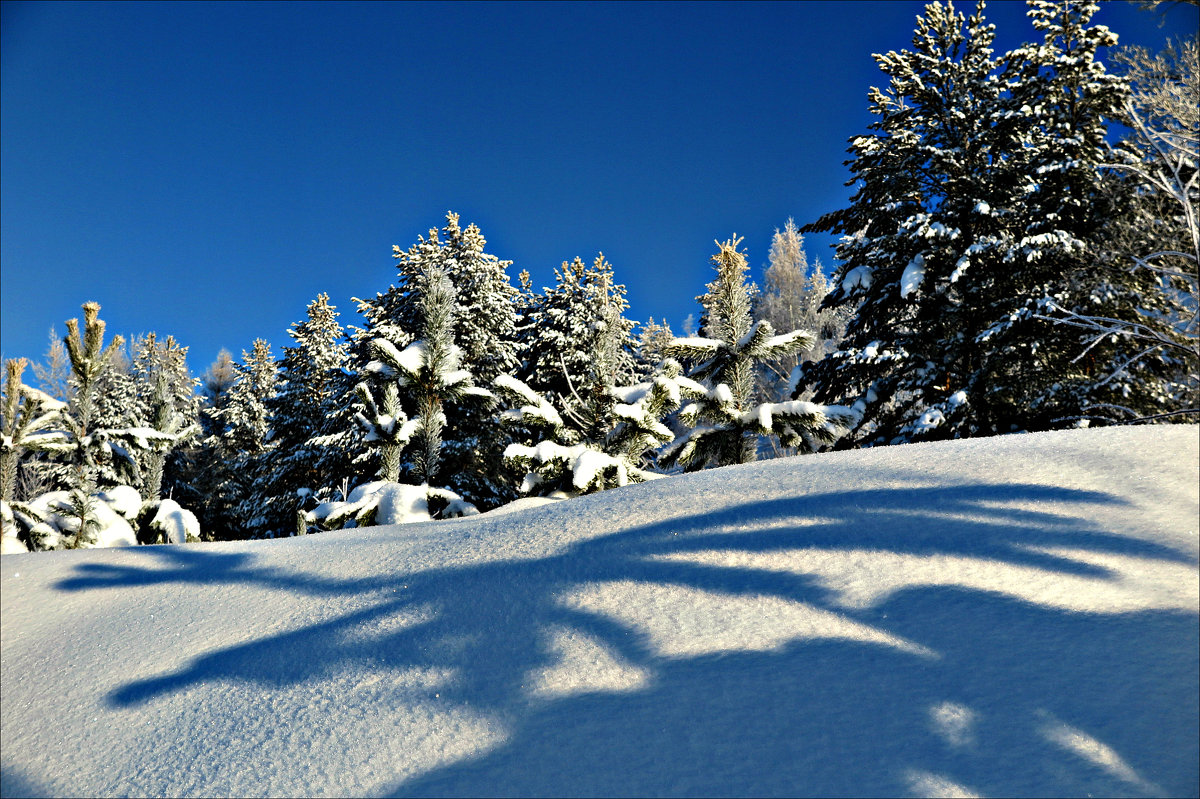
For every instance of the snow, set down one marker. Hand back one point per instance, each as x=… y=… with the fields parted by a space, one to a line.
x=176 y=522
x=856 y=277
x=1005 y=616
x=914 y=273
x=125 y=500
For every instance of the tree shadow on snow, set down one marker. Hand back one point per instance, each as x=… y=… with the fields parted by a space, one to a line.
x=1014 y=697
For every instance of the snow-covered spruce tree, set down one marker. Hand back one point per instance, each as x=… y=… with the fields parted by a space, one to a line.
x=791 y=300
x=976 y=197
x=564 y=327
x=652 y=341
x=236 y=449
x=307 y=414
x=429 y=373
x=166 y=402
x=1154 y=246
x=484 y=330
x=31 y=421
x=1061 y=252
x=725 y=424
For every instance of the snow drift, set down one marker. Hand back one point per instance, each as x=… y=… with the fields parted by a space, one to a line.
x=1008 y=616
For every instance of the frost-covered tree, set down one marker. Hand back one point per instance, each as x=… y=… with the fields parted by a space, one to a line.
x=484 y=331
x=218 y=378
x=1154 y=246
x=89 y=359
x=568 y=326
x=31 y=421
x=166 y=401
x=977 y=195
x=559 y=460
x=235 y=450
x=652 y=341
x=428 y=373
x=308 y=417
x=791 y=300
x=725 y=423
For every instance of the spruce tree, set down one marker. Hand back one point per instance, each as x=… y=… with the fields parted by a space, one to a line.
x=977 y=196
x=31 y=422
x=568 y=327
x=484 y=331
x=237 y=449
x=307 y=413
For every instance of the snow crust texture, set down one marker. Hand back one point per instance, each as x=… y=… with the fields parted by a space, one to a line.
x=993 y=617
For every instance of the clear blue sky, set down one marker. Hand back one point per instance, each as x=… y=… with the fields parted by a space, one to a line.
x=206 y=169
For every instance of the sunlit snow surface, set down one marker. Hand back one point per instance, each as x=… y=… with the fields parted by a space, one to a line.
x=1011 y=616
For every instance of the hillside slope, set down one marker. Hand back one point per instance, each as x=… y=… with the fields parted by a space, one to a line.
x=1008 y=616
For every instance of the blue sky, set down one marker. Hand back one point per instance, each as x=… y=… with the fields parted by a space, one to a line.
x=206 y=169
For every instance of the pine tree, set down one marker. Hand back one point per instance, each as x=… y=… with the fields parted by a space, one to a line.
x=31 y=421
x=430 y=373
x=166 y=402
x=1153 y=246
x=725 y=423
x=568 y=327
x=89 y=359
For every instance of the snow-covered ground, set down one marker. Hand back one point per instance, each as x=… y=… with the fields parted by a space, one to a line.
x=1011 y=616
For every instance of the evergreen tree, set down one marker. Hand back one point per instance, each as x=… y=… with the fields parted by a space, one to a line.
x=484 y=331
x=89 y=358
x=31 y=421
x=238 y=448
x=307 y=458
x=166 y=402
x=1153 y=247
x=568 y=327
x=978 y=194
x=725 y=424
x=652 y=341
x=430 y=373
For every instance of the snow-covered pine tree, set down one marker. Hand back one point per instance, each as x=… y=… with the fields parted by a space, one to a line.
x=652 y=341
x=725 y=424
x=89 y=358
x=429 y=374
x=307 y=416
x=31 y=421
x=166 y=402
x=791 y=300
x=1059 y=252
x=561 y=461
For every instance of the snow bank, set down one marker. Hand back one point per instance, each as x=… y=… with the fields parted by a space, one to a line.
x=1008 y=616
